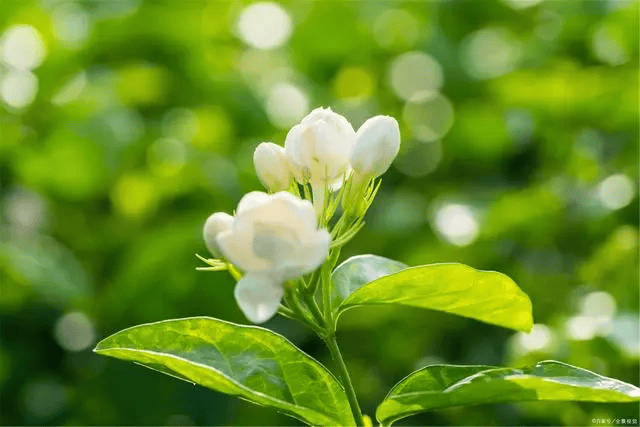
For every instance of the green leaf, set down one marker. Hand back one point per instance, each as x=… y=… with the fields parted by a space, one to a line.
x=246 y=361
x=487 y=296
x=357 y=271
x=441 y=386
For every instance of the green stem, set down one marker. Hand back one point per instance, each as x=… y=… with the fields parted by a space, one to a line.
x=332 y=343
x=299 y=312
x=313 y=306
x=325 y=277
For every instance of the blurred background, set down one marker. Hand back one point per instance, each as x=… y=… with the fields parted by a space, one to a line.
x=124 y=124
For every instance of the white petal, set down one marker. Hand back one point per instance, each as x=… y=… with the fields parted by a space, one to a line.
x=283 y=210
x=317 y=253
x=215 y=224
x=237 y=247
x=294 y=151
x=303 y=208
x=251 y=200
x=315 y=115
x=306 y=260
x=276 y=244
x=258 y=296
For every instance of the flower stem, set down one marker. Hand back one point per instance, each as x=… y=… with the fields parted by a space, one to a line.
x=313 y=306
x=299 y=312
x=332 y=343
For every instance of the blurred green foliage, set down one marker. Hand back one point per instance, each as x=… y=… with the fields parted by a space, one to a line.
x=124 y=124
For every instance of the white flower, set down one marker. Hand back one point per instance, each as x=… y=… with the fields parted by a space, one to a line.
x=215 y=224
x=273 y=238
x=319 y=147
x=272 y=166
x=377 y=144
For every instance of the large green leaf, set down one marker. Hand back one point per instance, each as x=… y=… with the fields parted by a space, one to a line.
x=441 y=386
x=487 y=296
x=247 y=361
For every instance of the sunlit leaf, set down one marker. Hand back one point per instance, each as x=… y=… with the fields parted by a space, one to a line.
x=357 y=271
x=246 y=361
x=441 y=386
x=487 y=296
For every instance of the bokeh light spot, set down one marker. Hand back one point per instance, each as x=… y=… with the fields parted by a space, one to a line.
x=606 y=46
x=420 y=159
x=616 y=191
x=538 y=339
x=166 y=156
x=457 y=224
x=490 y=52
x=71 y=25
x=626 y=236
x=19 y=88
x=415 y=74
x=429 y=118
x=26 y=209
x=396 y=29
x=581 y=328
x=142 y=84
x=264 y=25
x=134 y=196
x=354 y=84
x=550 y=24
x=625 y=332
x=22 y=47
x=215 y=128
x=74 y=332
x=286 y=104
x=180 y=123
x=600 y=305
x=255 y=63
x=44 y=398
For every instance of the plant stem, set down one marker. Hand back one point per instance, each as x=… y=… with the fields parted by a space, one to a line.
x=313 y=306
x=300 y=313
x=332 y=343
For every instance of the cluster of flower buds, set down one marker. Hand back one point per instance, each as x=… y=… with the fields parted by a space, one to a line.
x=324 y=149
x=278 y=237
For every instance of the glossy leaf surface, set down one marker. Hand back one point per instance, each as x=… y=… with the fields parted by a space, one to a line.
x=441 y=386
x=250 y=362
x=487 y=296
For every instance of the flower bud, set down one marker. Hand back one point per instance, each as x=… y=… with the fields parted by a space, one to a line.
x=319 y=147
x=215 y=224
x=272 y=166
x=377 y=144
x=273 y=238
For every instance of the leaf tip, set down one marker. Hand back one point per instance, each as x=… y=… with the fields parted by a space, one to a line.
x=100 y=346
x=525 y=322
x=525 y=317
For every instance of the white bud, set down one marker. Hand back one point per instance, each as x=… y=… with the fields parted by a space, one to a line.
x=319 y=147
x=273 y=238
x=377 y=144
x=272 y=166
x=215 y=224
